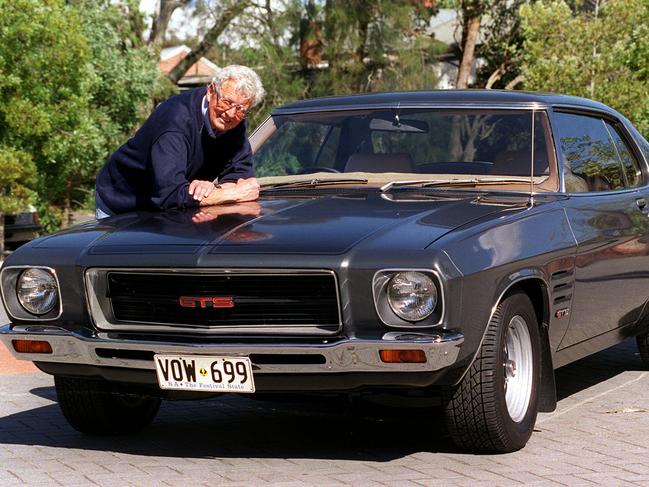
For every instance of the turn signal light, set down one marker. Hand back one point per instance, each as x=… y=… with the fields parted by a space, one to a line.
x=31 y=346
x=403 y=356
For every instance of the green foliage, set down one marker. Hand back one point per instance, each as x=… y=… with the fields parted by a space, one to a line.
x=364 y=46
x=603 y=55
x=123 y=72
x=17 y=177
x=375 y=46
x=72 y=86
x=502 y=45
x=271 y=52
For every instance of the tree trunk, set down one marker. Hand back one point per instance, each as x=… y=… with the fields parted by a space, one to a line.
x=365 y=12
x=67 y=197
x=161 y=20
x=2 y=237
x=515 y=82
x=495 y=76
x=455 y=148
x=311 y=44
x=361 y=52
x=227 y=15
x=470 y=36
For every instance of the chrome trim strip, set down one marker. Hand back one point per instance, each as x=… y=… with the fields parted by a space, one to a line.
x=33 y=317
x=527 y=105
x=344 y=355
x=103 y=322
x=406 y=324
x=585 y=110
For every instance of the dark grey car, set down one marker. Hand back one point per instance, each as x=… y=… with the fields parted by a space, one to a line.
x=458 y=243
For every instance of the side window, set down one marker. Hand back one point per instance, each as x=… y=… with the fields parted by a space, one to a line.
x=590 y=156
x=644 y=146
x=642 y=142
x=630 y=165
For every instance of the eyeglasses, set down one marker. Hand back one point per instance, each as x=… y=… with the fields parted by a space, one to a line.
x=226 y=105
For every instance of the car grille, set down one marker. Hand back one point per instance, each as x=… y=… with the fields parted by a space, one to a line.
x=257 y=300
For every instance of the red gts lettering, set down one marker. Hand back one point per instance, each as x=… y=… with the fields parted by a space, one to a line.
x=206 y=302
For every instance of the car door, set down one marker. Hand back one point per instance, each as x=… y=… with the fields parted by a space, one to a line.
x=608 y=211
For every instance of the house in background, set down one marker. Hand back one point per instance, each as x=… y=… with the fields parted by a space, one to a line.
x=199 y=74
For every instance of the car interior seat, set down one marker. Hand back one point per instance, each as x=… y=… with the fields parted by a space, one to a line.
x=573 y=182
x=517 y=163
x=401 y=162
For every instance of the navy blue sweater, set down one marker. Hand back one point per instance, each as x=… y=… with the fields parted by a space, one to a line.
x=153 y=169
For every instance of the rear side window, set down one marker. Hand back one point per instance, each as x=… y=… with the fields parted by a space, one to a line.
x=629 y=164
x=595 y=156
x=642 y=142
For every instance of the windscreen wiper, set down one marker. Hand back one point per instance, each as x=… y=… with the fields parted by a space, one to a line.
x=425 y=183
x=312 y=183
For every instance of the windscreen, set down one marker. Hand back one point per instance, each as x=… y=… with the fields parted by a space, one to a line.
x=413 y=141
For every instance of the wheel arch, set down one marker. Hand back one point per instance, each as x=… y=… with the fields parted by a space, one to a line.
x=535 y=287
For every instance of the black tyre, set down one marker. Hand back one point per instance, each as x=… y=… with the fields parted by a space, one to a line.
x=643 y=346
x=96 y=407
x=495 y=405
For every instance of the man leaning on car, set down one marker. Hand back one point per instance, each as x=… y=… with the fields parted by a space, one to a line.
x=189 y=142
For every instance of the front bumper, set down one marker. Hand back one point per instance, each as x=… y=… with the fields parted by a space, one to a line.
x=325 y=356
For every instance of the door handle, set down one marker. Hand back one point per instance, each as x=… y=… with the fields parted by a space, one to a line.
x=641 y=202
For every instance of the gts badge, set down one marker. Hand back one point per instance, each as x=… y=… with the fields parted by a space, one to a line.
x=206 y=301
x=562 y=313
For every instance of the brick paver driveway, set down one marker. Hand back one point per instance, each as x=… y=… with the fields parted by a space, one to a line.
x=597 y=436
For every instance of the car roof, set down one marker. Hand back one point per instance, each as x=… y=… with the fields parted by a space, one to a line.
x=405 y=99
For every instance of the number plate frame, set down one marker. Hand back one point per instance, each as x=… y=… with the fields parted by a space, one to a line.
x=205 y=369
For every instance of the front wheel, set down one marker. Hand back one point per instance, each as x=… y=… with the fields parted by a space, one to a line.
x=495 y=405
x=96 y=407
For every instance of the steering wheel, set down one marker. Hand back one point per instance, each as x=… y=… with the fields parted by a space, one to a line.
x=312 y=169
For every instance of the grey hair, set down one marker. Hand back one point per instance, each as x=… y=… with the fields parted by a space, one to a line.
x=246 y=82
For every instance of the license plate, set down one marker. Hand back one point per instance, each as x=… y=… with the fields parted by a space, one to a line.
x=203 y=373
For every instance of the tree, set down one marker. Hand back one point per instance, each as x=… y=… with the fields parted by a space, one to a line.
x=501 y=47
x=161 y=18
x=71 y=89
x=270 y=30
x=227 y=13
x=17 y=180
x=374 y=46
x=218 y=14
x=472 y=12
x=600 y=53
x=309 y=48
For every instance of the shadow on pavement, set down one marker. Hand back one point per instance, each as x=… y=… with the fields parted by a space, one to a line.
x=320 y=428
x=598 y=368
x=238 y=427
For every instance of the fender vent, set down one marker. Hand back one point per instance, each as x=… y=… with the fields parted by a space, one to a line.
x=562 y=287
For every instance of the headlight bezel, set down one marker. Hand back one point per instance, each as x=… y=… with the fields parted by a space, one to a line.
x=9 y=277
x=385 y=311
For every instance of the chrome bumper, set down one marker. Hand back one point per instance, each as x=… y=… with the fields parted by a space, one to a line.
x=342 y=355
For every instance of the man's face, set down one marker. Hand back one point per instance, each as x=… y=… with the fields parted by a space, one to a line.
x=226 y=107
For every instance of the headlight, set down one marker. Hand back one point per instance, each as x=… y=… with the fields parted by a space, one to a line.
x=37 y=291
x=412 y=295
